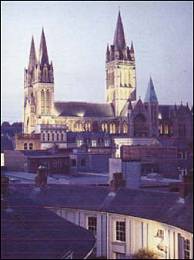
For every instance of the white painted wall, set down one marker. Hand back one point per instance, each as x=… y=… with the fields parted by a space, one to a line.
x=140 y=233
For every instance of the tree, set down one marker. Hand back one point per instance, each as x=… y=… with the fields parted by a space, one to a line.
x=145 y=254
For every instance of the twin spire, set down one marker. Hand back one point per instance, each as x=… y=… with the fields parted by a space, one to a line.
x=43 y=54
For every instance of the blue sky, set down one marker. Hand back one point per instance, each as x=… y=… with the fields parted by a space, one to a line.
x=77 y=34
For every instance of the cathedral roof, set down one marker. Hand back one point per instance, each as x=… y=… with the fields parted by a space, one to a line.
x=150 y=94
x=119 y=37
x=84 y=109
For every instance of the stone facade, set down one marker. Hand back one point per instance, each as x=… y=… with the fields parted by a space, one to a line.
x=121 y=114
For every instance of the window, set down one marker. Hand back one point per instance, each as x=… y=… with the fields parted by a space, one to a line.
x=73 y=162
x=83 y=162
x=119 y=256
x=160 y=233
x=43 y=136
x=57 y=137
x=30 y=146
x=79 y=142
x=92 y=224
x=186 y=249
x=94 y=143
x=48 y=137
x=106 y=142
x=120 y=231
x=25 y=146
x=53 y=136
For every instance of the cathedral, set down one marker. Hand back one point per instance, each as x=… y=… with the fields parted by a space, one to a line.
x=122 y=113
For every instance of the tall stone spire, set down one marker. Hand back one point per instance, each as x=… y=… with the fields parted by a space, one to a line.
x=43 y=54
x=150 y=94
x=32 y=58
x=119 y=37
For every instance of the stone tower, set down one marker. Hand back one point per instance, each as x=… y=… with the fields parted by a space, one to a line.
x=120 y=70
x=38 y=88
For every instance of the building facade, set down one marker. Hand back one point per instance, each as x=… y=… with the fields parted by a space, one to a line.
x=121 y=114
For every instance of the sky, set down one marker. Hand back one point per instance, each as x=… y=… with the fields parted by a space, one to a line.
x=77 y=34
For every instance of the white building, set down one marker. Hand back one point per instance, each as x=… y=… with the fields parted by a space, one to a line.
x=126 y=220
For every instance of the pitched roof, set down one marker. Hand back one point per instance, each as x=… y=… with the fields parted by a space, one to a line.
x=150 y=94
x=84 y=109
x=119 y=37
x=30 y=231
x=159 y=206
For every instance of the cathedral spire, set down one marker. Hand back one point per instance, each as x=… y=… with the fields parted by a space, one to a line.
x=43 y=55
x=32 y=58
x=132 y=48
x=150 y=94
x=119 y=37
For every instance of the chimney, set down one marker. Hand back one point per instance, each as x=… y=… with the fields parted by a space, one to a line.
x=117 y=181
x=41 y=178
x=185 y=186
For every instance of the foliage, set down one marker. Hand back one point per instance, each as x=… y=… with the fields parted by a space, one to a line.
x=145 y=254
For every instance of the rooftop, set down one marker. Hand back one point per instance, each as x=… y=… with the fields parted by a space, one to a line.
x=154 y=205
x=30 y=231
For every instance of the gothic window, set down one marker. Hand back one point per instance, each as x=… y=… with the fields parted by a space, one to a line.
x=61 y=136
x=48 y=102
x=112 y=127
x=166 y=129
x=30 y=146
x=125 y=128
x=42 y=102
x=140 y=126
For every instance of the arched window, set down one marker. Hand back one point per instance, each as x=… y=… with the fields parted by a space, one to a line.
x=53 y=136
x=57 y=136
x=43 y=136
x=125 y=128
x=42 y=102
x=48 y=102
x=48 y=136
x=30 y=146
x=25 y=146
x=62 y=136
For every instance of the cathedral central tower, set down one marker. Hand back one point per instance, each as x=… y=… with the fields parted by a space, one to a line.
x=120 y=70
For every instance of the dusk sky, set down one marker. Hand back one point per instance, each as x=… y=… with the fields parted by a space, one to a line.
x=77 y=34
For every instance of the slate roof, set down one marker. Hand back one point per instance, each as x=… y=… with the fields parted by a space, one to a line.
x=33 y=232
x=159 y=206
x=84 y=109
